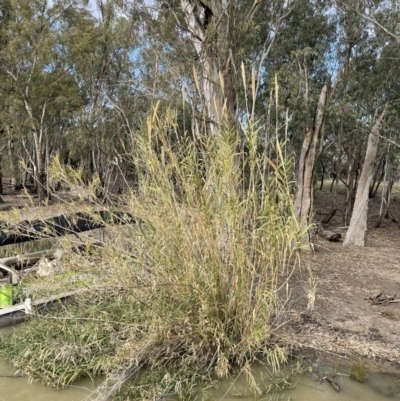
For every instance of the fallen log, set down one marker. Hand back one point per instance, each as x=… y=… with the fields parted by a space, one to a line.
x=333 y=384
x=25 y=196
x=329 y=235
x=13 y=274
x=380 y=298
x=27 y=258
x=30 y=230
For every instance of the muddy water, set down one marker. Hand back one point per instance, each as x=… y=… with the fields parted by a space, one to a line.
x=308 y=387
x=19 y=389
x=299 y=387
x=307 y=390
x=14 y=388
x=305 y=387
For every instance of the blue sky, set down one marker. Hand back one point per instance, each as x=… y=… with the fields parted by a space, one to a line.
x=93 y=7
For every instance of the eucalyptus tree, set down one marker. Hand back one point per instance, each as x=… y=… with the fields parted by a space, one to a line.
x=202 y=46
x=300 y=60
x=99 y=51
x=35 y=80
x=358 y=224
x=344 y=115
x=377 y=89
x=383 y=14
x=370 y=91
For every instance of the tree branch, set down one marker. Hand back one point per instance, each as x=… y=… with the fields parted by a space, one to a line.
x=373 y=20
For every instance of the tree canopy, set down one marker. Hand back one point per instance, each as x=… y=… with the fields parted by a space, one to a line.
x=78 y=83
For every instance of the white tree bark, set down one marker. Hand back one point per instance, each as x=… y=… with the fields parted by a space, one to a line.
x=358 y=224
x=305 y=180
x=211 y=25
x=208 y=51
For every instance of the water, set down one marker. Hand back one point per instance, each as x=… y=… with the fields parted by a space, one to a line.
x=308 y=387
x=19 y=389
x=305 y=389
x=13 y=388
x=301 y=387
x=378 y=388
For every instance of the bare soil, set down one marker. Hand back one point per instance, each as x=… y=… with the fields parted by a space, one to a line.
x=343 y=319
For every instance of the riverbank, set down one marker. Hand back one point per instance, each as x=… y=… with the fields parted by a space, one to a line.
x=344 y=320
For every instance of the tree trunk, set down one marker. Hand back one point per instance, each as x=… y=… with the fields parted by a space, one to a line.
x=377 y=177
x=322 y=176
x=40 y=174
x=41 y=183
x=40 y=170
x=208 y=35
x=358 y=225
x=13 y=156
x=351 y=186
x=329 y=235
x=386 y=192
x=305 y=194
x=1 y=174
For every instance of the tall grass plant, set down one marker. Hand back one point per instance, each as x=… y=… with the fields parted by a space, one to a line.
x=195 y=278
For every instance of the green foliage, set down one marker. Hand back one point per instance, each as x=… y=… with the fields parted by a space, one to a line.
x=90 y=79
x=357 y=370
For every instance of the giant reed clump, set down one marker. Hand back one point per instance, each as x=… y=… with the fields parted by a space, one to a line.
x=213 y=237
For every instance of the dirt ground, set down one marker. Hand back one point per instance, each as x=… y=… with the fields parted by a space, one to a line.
x=343 y=321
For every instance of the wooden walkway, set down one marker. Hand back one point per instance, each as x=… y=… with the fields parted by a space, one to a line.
x=16 y=314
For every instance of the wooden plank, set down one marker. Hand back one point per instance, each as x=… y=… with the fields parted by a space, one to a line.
x=20 y=259
x=56 y=297
x=59 y=226
x=11 y=309
x=40 y=302
x=34 y=257
x=27 y=257
x=14 y=274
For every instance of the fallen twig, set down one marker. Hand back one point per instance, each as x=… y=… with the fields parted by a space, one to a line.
x=381 y=299
x=333 y=384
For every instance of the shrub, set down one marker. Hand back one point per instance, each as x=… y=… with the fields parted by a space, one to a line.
x=357 y=370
